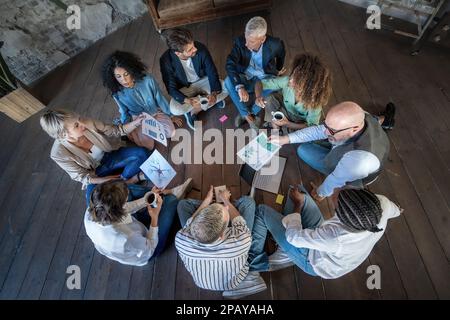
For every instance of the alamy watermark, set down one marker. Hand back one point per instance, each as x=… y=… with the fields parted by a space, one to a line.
x=374 y=20
x=74 y=279
x=73 y=22
x=190 y=148
x=374 y=280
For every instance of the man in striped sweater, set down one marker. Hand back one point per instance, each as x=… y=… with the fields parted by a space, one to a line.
x=216 y=245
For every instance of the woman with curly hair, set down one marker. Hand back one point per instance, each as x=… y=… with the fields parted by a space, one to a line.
x=304 y=93
x=136 y=92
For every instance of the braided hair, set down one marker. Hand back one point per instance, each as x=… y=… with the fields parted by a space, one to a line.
x=360 y=210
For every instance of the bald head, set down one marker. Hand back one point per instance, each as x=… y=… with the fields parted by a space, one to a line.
x=345 y=114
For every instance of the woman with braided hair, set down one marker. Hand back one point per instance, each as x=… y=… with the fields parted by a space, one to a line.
x=330 y=248
x=359 y=210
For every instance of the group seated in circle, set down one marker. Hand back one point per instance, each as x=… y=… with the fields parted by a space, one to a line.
x=220 y=241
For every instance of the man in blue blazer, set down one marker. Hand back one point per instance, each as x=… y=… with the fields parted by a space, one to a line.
x=190 y=76
x=254 y=56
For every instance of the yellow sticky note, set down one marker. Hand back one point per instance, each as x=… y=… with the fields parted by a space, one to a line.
x=279 y=199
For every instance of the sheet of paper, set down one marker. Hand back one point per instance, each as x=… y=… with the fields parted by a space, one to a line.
x=158 y=170
x=217 y=189
x=153 y=128
x=258 y=152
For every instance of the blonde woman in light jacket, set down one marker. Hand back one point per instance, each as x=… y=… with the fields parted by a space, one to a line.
x=90 y=151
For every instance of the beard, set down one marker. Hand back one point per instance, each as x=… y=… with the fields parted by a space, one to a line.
x=336 y=143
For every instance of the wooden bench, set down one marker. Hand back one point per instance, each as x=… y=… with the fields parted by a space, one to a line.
x=172 y=13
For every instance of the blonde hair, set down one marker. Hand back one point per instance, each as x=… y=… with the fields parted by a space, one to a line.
x=208 y=224
x=52 y=122
x=256 y=27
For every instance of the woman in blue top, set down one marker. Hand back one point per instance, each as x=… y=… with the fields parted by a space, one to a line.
x=137 y=92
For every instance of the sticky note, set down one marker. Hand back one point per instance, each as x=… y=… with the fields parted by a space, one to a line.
x=223 y=118
x=279 y=199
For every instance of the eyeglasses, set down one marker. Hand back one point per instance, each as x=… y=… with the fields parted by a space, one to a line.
x=333 y=131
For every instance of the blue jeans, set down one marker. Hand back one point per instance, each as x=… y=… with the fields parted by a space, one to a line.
x=165 y=220
x=246 y=207
x=267 y=219
x=127 y=159
x=313 y=155
x=244 y=108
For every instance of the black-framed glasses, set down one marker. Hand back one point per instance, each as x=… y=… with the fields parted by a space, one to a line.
x=333 y=131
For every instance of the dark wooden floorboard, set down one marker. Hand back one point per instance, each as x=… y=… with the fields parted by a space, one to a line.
x=41 y=229
x=48 y=240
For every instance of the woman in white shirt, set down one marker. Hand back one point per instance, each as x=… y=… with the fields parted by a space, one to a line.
x=113 y=226
x=332 y=248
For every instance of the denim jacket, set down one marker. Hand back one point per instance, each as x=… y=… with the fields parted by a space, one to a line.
x=145 y=96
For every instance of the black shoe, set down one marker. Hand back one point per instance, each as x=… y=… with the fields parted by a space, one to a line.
x=220 y=104
x=190 y=119
x=389 y=117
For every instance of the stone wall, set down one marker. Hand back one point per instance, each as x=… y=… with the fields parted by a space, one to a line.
x=37 y=39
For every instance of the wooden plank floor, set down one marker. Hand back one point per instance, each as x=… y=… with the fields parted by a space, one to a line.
x=41 y=209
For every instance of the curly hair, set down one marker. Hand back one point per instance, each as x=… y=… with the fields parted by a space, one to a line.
x=360 y=210
x=312 y=81
x=127 y=60
x=106 y=202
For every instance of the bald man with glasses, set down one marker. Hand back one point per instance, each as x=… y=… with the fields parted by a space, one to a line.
x=357 y=150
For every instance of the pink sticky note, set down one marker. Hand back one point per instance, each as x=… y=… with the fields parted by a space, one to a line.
x=223 y=118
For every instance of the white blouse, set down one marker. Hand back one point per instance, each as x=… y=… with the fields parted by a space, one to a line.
x=128 y=242
x=334 y=249
x=96 y=153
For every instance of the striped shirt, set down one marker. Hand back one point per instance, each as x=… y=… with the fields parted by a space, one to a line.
x=220 y=265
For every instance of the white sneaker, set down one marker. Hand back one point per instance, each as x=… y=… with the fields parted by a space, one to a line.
x=181 y=190
x=253 y=283
x=279 y=260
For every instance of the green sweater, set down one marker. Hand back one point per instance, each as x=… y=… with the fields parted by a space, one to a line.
x=296 y=111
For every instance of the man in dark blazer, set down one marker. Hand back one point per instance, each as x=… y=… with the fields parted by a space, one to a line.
x=190 y=76
x=254 y=56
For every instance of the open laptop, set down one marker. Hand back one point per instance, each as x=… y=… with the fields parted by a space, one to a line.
x=270 y=183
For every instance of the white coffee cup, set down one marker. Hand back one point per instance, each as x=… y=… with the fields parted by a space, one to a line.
x=151 y=199
x=277 y=116
x=204 y=103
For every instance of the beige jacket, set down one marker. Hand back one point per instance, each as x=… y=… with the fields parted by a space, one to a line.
x=79 y=164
